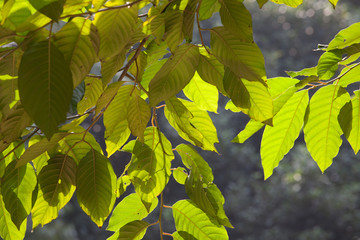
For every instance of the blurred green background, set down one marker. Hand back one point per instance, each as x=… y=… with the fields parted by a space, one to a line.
x=298 y=201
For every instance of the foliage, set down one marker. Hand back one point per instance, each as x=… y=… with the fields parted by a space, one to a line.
x=147 y=56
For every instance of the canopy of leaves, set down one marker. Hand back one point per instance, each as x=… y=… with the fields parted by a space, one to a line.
x=150 y=64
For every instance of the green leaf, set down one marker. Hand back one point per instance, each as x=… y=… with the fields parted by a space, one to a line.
x=122 y=183
x=134 y=230
x=93 y=90
x=236 y=18
x=155 y=25
x=51 y=8
x=322 y=130
x=96 y=186
x=109 y=93
x=151 y=71
x=279 y=139
x=76 y=6
x=44 y=92
x=79 y=41
x=252 y=97
x=8 y=92
x=129 y=209
x=174 y=74
x=56 y=187
x=180 y=175
x=193 y=161
x=250 y=129
x=191 y=219
x=9 y=231
x=179 y=118
x=291 y=3
x=173 y=29
x=149 y=169
x=11 y=154
x=307 y=72
x=243 y=58
x=350 y=74
x=211 y=70
x=116 y=119
x=138 y=67
x=17 y=185
x=12 y=125
x=138 y=116
x=203 y=94
x=76 y=147
x=345 y=37
x=208 y=8
x=349 y=119
x=231 y=106
x=39 y=148
x=328 y=64
x=115 y=30
x=110 y=66
x=188 y=19
x=202 y=122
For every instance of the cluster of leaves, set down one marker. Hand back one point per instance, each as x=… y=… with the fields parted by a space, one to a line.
x=147 y=56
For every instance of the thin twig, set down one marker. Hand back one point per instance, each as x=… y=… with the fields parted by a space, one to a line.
x=102 y=10
x=199 y=28
x=160 y=214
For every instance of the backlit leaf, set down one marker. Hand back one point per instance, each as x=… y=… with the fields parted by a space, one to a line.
x=322 y=130
x=173 y=29
x=291 y=3
x=115 y=30
x=208 y=8
x=138 y=116
x=174 y=74
x=180 y=175
x=56 y=187
x=350 y=122
x=149 y=169
x=202 y=122
x=96 y=186
x=17 y=185
x=93 y=90
x=134 y=230
x=51 y=8
x=45 y=87
x=236 y=18
x=345 y=37
x=333 y=2
x=328 y=64
x=202 y=93
x=243 y=58
x=279 y=139
x=79 y=41
x=250 y=129
x=192 y=220
x=350 y=74
x=129 y=209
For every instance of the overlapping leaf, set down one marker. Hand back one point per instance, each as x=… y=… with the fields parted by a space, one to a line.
x=133 y=230
x=328 y=64
x=173 y=29
x=45 y=87
x=346 y=37
x=349 y=119
x=252 y=97
x=202 y=93
x=17 y=186
x=250 y=129
x=243 y=58
x=322 y=130
x=115 y=30
x=149 y=170
x=208 y=8
x=79 y=42
x=93 y=90
x=280 y=138
x=96 y=186
x=195 y=223
x=174 y=74
x=236 y=18
x=129 y=209
x=56 y=186
x=202 y=122
x=138 y=116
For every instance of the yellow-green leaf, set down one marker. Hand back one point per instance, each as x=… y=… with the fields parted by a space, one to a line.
x=79 y=42
x=251 y=127
x=174 y=74
x=149 y=169
x=96 y=186
x=279 y=139
x=322 y=130
x=346 y=37
x=93 y=90
x=56 y=187
x=191 y=219
x=203 y=94
x=138 y=116
x=291 y=3
x=243 y=58
x=134 y=230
